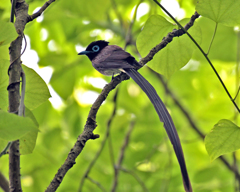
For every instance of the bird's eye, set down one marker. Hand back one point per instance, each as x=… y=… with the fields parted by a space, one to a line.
x=95 y=48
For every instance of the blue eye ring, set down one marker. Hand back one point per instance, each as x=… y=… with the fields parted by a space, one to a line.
x=95 y=48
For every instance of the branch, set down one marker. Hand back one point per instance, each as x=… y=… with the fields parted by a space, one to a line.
x=135 y=177
x=85 y=175
x=40 y=11
x=121 y=156
x=14 y=71
x=91 y=123
x=86 y=135
x=4 y=183
x=168 y=39
x=97 y=183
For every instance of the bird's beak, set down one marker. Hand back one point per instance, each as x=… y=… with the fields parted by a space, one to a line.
x=84 y=52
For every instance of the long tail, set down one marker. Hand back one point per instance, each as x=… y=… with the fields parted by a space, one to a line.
x=167 y=121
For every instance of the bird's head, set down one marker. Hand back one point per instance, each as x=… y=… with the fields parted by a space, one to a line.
x=94 y=48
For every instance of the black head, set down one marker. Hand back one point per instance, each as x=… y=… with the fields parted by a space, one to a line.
x=94 y=48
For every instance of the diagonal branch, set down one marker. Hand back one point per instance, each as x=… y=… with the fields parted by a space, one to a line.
x=91 y=123
x=86 y=135
x=40 y=11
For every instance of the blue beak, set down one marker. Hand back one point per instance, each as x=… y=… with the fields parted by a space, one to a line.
x=84 y=52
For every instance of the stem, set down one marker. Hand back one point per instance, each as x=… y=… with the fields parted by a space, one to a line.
x=204 y=54
x=214 y=33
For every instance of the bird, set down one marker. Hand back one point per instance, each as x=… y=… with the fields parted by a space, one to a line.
x=112 y=59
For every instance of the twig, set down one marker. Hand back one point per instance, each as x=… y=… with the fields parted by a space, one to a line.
x=204 y=54
x=4 y=183
x=13 y=10
x=128 y=37
x=144 y=188
x=40 y=11
x=97 y=183
x=121 y=156
x=168 y=39
x=102 y=145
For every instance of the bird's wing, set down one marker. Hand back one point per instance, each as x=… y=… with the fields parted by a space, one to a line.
x=114 y=57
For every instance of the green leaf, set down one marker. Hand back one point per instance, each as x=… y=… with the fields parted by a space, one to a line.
x=152 y=34
x=4 y=64
x=36 y=89
x=14 y=127
x=7 y=32
x=28 y=141
x=223 y=138
x=176 y=54
x=220 y=11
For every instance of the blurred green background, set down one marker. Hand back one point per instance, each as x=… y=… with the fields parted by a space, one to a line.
x=66 y=28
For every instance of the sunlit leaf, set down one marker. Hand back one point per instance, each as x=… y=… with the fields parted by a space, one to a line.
x=7 y=32
x=223 y=138
x=220 y=11
x=13 y=127
x=28 y=141
x=4 y=64
x=176 y=54
x=36 y=89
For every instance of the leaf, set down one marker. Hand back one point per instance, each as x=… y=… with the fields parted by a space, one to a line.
x=4 y=64
x=13 y=127
x=36 y=89
x=28 y=141
x=220 y=11
x=176 y=54
x=7 y=32
x=223 y=138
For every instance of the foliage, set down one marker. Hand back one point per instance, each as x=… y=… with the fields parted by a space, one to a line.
x=64 y=29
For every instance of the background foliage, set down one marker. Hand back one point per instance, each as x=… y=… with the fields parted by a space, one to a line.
x=64 y=29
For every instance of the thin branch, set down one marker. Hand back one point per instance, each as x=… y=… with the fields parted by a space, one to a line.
x=97 y=183
x=5 y=150
x=128 y=37
x=40 y=11
x=121 y=156
x=119 y=16
x=168 y=39
x=204 y=54
x=110 y=145
x=13 y=10
x=102 y=145
x=4 y=184
x=87 y=133
x=144 y=188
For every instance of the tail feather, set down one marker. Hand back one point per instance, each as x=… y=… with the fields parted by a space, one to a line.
x=166 y=119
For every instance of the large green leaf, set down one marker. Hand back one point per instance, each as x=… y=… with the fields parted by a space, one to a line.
x=36 y=89
x=7 y=32
x=14 y=127
x=176 y=54
x=220 y=11
x=223 y=138
x=4 y=64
